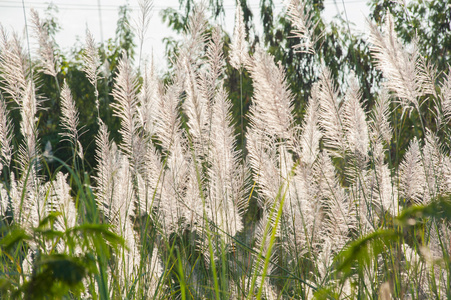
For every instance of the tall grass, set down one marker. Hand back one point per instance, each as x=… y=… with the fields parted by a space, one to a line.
x=163 y=214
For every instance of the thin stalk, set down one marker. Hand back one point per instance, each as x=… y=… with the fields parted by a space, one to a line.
x=241 y=109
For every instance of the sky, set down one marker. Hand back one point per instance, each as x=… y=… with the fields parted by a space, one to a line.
x=75 y=16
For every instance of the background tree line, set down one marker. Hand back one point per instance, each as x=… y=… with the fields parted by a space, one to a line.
x=342 y=51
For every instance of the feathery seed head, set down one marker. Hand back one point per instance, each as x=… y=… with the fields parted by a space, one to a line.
x=6 y=129
x=297 y=13
x=311 y=134
x=354 y=124
x=239 y=47
x=148 y=98
x=445 y=95
x=331 y=115
x=412 y=177
x=380 y=123
x=14 y=67
x=399 y=67
x=49 y=63
x=69 y=119
x=91 y=60
x=272 y=107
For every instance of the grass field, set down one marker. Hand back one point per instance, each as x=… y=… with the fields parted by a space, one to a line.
x=326 y=208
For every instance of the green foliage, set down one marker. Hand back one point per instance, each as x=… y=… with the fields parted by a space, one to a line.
x=363 y=251
x=60 y=274
x=12 y=238
x=54 y=274
x=439 y=209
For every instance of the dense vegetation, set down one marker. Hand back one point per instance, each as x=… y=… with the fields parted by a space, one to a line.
x=305 y=163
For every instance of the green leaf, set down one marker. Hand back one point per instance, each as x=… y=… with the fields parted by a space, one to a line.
x=56 y=275
x=97 y=231
x=365 y=249
x=50 y=233
x=439 y=209
x=13 y=237
x=48 y=220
